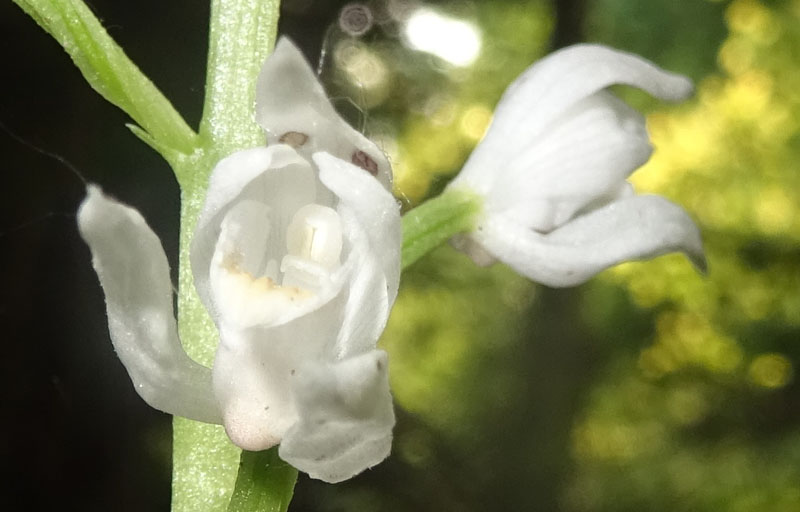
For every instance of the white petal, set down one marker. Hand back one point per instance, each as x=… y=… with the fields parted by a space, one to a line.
x=134 y=274
x=633 y=228
x=345 y=418
x=254 y=369
x=552 y=85
x=292 y=107
x=246 y=289
x=278 y=179
x=585 y=155
x=371 y=220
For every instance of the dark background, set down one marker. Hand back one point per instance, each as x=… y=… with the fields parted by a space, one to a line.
x=75 y=434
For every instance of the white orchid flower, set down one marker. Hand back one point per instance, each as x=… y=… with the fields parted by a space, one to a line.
x=552 y=172
x=296 y=256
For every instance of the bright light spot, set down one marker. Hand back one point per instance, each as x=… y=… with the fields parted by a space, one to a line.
x=686 y=340
x=456 y=41
x=475 y=121
x=774 y=210
x=737 y=55
x=365 y=72
x=770 y=371
x=752 y=18
x=441 y=110
x=749 y=94
x=364 y=68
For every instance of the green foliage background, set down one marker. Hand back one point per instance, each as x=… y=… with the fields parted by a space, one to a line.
x=651 y=387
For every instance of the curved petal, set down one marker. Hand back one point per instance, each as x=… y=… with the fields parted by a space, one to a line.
x=371 y=219
x=293 y=108
x=345 y=418
x=588 y=153
x=134 y=274
x=275 y=177
x=551 y=86
x=633 y=228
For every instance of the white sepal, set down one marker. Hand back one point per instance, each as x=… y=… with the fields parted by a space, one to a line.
x=134 y=274
x=592 y=148
x=554 y=84
x=635 y=228
x=293 y=109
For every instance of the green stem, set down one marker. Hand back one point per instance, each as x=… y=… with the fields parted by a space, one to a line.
x=204 y=460
x=265 y=483
x=242 y=34
x=437 y=220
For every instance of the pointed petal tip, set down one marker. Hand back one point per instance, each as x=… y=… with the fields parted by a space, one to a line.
x=691 y=242
x=95 y=210
x=641 y=73
x=698 y=260
x=286 y=46
x=93 y=194
x=92 y=190
x=702 y=266
x=679 y=88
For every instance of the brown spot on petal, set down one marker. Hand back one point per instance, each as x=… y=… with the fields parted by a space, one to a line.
x=364 y=161
x=294 y=139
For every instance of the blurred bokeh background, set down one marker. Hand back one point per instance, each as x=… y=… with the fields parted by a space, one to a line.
x=649 y=388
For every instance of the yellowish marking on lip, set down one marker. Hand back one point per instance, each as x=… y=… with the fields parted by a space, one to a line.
x=250 y=285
